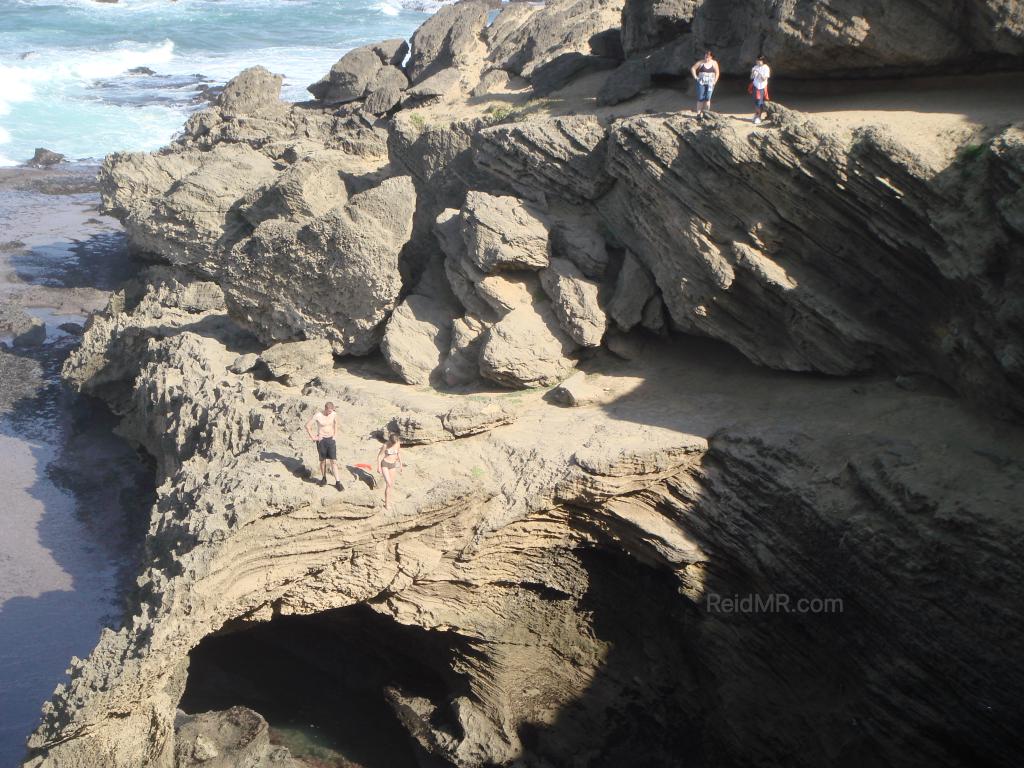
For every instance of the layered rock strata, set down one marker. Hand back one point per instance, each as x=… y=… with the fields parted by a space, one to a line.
x=575 y=580
x=563 y=556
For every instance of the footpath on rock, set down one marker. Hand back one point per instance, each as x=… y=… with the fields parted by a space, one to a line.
x=637 y=363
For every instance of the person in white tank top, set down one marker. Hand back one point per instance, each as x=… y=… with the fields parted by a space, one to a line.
x=759 y=75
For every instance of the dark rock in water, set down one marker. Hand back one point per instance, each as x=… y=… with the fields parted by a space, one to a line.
x=28 y=55
x=74 y=329
x=13 y=319
x=32 y=336
x=141 y=71
x=44 y=158
x=19 y=377
x=207 y=94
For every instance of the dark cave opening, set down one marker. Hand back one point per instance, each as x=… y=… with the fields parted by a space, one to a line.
x=320 y=681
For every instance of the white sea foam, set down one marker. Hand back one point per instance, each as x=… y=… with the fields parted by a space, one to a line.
x=62 y=67
x=388 y=7
x=69 y=90
x=5 y=137
x=423 y=6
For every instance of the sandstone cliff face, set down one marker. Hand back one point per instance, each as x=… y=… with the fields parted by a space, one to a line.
x=572 y=580
x=319 y=235
x=557 y=570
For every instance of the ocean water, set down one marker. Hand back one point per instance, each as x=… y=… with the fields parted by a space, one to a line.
x=66 y=66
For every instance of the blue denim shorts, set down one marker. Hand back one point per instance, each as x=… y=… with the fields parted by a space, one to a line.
x=704 y=91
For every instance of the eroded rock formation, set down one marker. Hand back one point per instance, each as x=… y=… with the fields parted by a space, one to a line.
x=557 y=560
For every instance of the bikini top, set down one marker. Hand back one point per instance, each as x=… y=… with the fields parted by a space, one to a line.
x=706 y=67
x=390 y=451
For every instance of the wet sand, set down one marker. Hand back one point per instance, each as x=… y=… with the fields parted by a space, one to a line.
x=75 y=497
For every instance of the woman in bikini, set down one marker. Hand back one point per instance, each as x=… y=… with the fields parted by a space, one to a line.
x=389 y=464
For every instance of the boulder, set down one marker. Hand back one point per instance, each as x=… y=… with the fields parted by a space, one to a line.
x=507 y=290
x=449 y=38
x=438 y=88
x=653 y=318
x=574 y=301
x=496 y=81
x=631 y=78
x=392 y=52
x=560 y=27
x=462 y=366
x=417 y=338
x=461 y=274
x=298 y=361
x=183 y=206
x=503 y=232
x=32 y=334
x=463 y=279
x=44 y=158
x=634 y=289
x=509 y=21
x=575 y=237
x=576 y=391
x=227 y=739
x=336 y=277
x=527 y=348
x=14 y=320
x=648 y=24
x=244 y=363
x=385 y=91
x=349 y=78
x=566 y=67
x=252 y=91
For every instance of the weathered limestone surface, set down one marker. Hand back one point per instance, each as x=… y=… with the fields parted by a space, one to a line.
x=560 y=543
x=569 y=561
x=721 y=219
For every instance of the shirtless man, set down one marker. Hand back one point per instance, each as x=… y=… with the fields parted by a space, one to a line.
x=322 y=429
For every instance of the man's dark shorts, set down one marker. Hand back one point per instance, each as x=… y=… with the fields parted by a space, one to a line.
x=327 y=448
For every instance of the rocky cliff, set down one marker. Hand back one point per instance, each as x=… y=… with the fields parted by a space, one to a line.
x=601 y=334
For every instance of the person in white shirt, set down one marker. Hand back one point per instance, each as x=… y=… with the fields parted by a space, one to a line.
x=759 y=75
x=322 y=429
x=706 y=73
